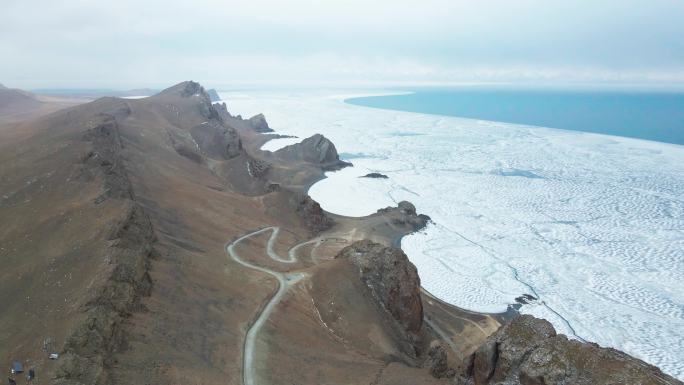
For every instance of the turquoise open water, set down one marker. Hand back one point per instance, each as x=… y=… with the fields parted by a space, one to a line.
x=657 y=116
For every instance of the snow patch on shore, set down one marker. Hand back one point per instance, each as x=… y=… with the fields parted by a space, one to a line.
x=278 y=143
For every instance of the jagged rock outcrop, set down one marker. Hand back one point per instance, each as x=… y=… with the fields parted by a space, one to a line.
x=257 y=168
x=222 y=111
x=213 y=95
x=89 y=348
x=104 y=159
x=312 y=214
x=316 y=149
x=259 y=124
x=188 y=89
x=393 y=281
x=216 y=140
x=407 y=215
x=192 y=89
x=436 y=361
x=527 y=351
x=202 y=130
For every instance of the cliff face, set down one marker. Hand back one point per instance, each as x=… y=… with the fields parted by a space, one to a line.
x=212 y=137
x=259 y=124
x=527 y=351
x=216 y=140
x=312 y=214
x=88 y=350
x=407 y=216
x=213 y=95
x=393 y=281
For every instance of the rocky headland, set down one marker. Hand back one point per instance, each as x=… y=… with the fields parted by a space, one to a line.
x=528 y=351
x=316 y=149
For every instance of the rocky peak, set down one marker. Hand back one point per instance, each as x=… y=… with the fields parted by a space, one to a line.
x=259 y=124
x=407 y=208
x=191 y=88
x=213 y=95
x=187 y=89
x=392 y=280
x=194 y=94
x=320 y=149
x=528 y=351
x=222 y=111
x=312 y=214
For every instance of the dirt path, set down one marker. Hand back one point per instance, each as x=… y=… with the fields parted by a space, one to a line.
x=285 y=281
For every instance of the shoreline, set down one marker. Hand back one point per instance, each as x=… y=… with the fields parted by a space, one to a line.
x=395 y=239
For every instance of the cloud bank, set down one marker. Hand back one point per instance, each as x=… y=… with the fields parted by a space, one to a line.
x=127 y=43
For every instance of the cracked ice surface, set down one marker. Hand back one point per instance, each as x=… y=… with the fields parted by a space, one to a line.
x=593 y=225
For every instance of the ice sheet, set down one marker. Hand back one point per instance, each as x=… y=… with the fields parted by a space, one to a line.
x=593 y=225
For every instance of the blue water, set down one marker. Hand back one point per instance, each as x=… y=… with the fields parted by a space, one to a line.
x=657 y=116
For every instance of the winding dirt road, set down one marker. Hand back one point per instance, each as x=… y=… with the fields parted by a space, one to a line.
x=285 y=281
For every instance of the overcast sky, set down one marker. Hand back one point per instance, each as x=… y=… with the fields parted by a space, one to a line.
x=153 y=43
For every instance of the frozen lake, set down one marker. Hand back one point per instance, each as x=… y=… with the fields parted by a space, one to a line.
x=591 y=225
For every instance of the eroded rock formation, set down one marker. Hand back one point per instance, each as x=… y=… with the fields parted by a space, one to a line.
x=216 y=140
x=436 y=361
x=259 y=124
x=393 y=281
x=405 y=215
x=89 y=349
x=312 y=214
x=527 y=351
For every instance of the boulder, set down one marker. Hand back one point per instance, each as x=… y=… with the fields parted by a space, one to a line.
x=405 y=215
x=257 y=168
x=375 y=175
x=436 y=361
x=528 y=351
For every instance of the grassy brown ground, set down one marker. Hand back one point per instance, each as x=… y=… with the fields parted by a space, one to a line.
x=189 y=326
